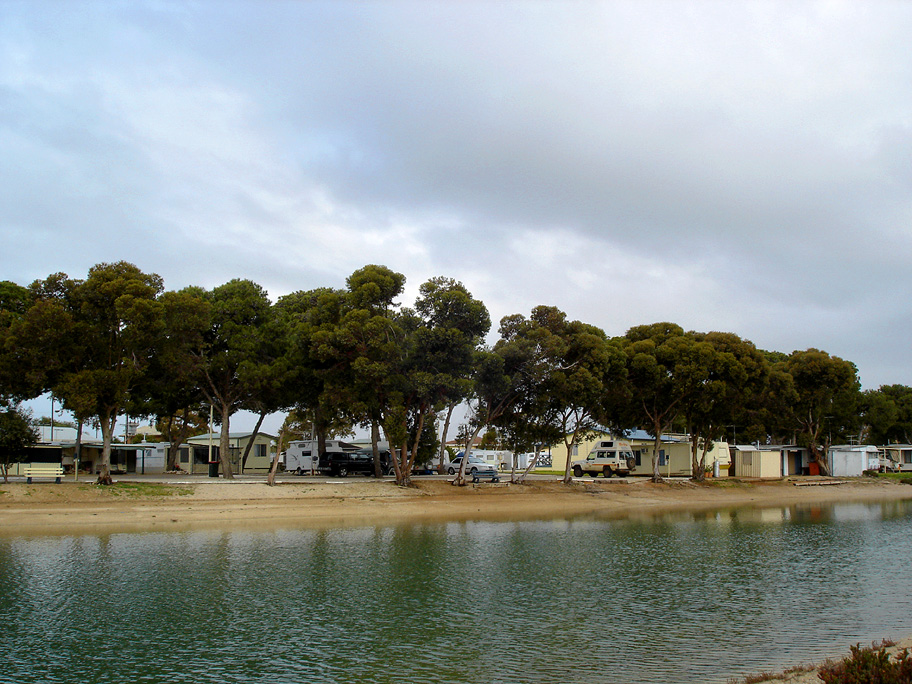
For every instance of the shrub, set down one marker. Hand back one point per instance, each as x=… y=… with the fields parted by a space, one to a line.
x=869 y=665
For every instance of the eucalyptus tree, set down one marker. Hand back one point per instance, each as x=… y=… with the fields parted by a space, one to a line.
x=17 y=434
x=36 y=335
x=886 y=414
x=235 y=340
x=308 y=321
x=659 y=377
x=93 y=341
x=724 y=372
x=584 y=369
x=548 y=366
x=369 y=339
x=532 y=417
x=821 y=398
x=15 y=300
x=440 y=339
x=172 y=388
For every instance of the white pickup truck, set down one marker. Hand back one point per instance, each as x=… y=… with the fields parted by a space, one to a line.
x=608 y=457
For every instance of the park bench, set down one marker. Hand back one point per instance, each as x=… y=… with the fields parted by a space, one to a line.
x=43 y=471
x=478 y=474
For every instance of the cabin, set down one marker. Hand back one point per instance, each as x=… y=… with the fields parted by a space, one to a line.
x=900 y=454
x=261 y=454
x=851 y=460
x=749 y=460
x=674 y=457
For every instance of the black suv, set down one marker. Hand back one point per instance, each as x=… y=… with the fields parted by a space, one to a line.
x=339 y=464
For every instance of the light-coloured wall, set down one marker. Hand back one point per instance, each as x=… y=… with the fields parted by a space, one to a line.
x=237 y=445
x=677 y=453
x=757 y=463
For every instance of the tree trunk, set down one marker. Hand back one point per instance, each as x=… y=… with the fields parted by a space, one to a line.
x=403 y=473
x=375 y=448
x=176 y=437
x=446 y=428
x=224 y=448
x=569 y=445
x=697 y=469
x=270 y=479
x=529 y=468
x=249 y=446
x=656 y=446
x=107 y=430
x=460 y=480
x=78 y=450
x=414 y=453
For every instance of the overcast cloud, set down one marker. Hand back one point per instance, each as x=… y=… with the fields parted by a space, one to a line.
x=738 y=166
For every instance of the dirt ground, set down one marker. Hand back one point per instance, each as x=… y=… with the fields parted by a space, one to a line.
x=73 y=508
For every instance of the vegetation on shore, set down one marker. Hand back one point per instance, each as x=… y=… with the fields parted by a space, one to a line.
x=875 y=664
x=117 y=342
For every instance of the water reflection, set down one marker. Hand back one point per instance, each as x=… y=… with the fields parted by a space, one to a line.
x=681 y=597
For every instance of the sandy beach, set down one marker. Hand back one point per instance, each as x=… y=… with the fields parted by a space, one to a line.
x=81 y=507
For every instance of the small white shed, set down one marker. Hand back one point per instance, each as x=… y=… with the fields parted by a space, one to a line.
x=851 y=460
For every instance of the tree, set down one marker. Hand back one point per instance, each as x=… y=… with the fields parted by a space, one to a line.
x=368 y=345
x=90 y=342
x=172 y=390
x=16 y=435
x=822 y=394
x=584 y=370
x=240 y=310
x=435 y=364
x=724 y=372
x=657 y=357
x=307 y=322
x=886 y=415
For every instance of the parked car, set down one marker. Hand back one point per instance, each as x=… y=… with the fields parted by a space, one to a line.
x=473 y=465
x=338 y=464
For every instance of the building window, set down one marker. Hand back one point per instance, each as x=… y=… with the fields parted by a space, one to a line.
x=662 y=457
x=259 y=450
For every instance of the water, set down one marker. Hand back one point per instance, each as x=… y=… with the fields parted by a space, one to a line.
x=681 y=598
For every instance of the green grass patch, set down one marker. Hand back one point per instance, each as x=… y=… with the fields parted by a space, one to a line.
x=137 y=490
x=904 y=478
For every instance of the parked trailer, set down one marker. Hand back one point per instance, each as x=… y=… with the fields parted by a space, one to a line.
x=302 y=457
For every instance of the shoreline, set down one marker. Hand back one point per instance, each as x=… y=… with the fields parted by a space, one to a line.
x=808 y=674
x=133 y=505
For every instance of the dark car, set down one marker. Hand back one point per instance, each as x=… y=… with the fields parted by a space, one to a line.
x=339 y=464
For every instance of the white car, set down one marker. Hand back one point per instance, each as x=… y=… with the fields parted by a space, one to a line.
x=473 y=465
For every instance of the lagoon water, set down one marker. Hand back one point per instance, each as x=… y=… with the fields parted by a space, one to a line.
x=679 y=598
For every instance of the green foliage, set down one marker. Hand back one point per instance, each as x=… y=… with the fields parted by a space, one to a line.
x=16 y=434
x=869 y=665
x=819 y=395
x=887 y=414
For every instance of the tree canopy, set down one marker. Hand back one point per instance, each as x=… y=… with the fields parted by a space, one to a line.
x=117 y=341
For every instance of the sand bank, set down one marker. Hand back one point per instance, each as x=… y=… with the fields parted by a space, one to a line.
x=79 y=508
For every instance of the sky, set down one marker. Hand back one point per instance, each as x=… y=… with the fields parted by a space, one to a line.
x=734 y=166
